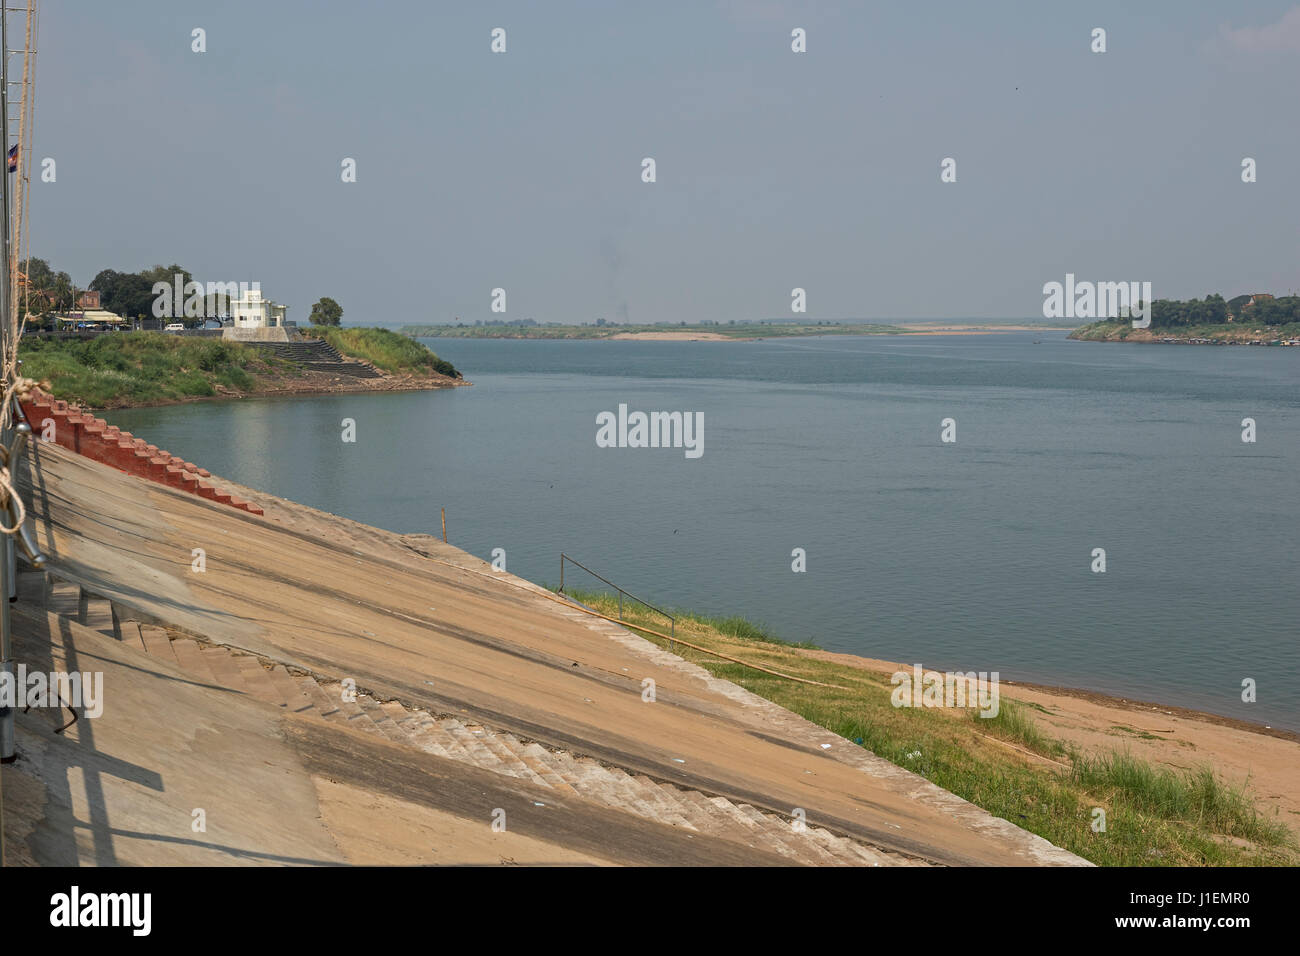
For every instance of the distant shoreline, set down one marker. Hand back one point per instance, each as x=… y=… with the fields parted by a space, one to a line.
x=747 y=333
x=1278 y=336
x=304 y=389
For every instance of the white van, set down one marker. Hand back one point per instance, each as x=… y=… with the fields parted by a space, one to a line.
x=174 y=327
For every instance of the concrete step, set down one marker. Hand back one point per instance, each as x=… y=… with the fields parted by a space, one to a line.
x=97 y=614
x=586 y=779
x=223 y=668
x=761 y=837
x=779 y=831
x=130 y=636
x=671 y=809
x=538 y=772
x=157 y=643
x=257 y=681
x=625 y=792
x=506 y=760
x=387 y=726
x=349 y=711
x=411 y=723
x=322 y=703
x=844 y=851
x=191 y=658
x=64 y=598
x=477 y=750
x=33 y=587
x=536 y=757
x=290 y=690
x=434 y=738
x=720 y=823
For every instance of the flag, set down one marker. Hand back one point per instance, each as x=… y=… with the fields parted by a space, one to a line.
x=13 y=158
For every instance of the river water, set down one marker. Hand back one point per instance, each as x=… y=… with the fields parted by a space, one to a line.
x=975 y=554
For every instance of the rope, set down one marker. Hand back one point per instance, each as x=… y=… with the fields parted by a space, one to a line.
x=668 y=637
x=11 y=503
x=678 y=640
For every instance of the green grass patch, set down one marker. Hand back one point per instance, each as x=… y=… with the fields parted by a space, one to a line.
x=1154 y=816
x=394 y=353
x=139 y=367
x=733 y=626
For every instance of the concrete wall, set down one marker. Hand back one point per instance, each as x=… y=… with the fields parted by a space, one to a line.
x=256 y=335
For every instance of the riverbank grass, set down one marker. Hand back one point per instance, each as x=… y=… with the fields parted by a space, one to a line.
x=1008 y=765
x=394 y=353
x=140 y=367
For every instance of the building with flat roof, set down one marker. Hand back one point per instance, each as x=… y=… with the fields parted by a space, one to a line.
x=251 y=311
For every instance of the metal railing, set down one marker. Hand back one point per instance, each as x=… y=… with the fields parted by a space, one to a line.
x=672 y=621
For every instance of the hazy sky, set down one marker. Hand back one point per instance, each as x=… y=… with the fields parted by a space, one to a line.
x=819 y=170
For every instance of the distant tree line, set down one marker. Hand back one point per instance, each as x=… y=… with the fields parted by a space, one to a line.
x=130 y=294
x=1281 y=311
x=1214 y=310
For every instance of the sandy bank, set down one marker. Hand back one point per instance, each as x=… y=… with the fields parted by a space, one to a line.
x=1173 y=737
x=674 y=336
x=977 y=329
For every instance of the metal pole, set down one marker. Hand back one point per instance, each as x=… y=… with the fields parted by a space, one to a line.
x=8 y=748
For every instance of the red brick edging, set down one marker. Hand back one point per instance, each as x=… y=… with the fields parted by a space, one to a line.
x=96 y=439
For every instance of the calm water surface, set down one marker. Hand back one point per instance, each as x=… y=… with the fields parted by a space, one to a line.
x=973 y=555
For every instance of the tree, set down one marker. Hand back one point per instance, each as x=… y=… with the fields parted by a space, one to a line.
x=108 y=283
x=326 y=312
x=134 y=296
x=47 y=291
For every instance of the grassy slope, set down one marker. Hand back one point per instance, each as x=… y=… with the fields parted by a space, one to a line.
x=136 y=368
x=394 y=353
x=1153 y=816
x=139 y=367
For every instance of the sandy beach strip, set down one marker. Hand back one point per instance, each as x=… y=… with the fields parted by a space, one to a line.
x=1267 y=758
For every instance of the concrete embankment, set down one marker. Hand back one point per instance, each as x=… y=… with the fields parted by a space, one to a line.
x=229 y=683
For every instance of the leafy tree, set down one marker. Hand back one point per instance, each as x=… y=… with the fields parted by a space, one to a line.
x=107 y=283
x=47 y=291
x=131 y=294
x=134 y=296
x=167 y=274
x=326 y=312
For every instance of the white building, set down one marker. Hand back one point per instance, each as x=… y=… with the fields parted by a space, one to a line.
x=251 y=311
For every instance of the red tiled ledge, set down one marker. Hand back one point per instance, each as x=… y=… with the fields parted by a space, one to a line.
x=95 y=438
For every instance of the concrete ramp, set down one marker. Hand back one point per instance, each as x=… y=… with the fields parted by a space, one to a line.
x=487 y=674
x=184 y=771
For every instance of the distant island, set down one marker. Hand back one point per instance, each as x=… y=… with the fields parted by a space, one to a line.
x=701 y=331
x=1254 y=319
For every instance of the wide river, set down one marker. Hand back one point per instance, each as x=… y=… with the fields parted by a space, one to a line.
x=973 y=555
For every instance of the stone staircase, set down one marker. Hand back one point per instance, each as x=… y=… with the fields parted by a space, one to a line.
x=457 y=738
x=316 y=355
